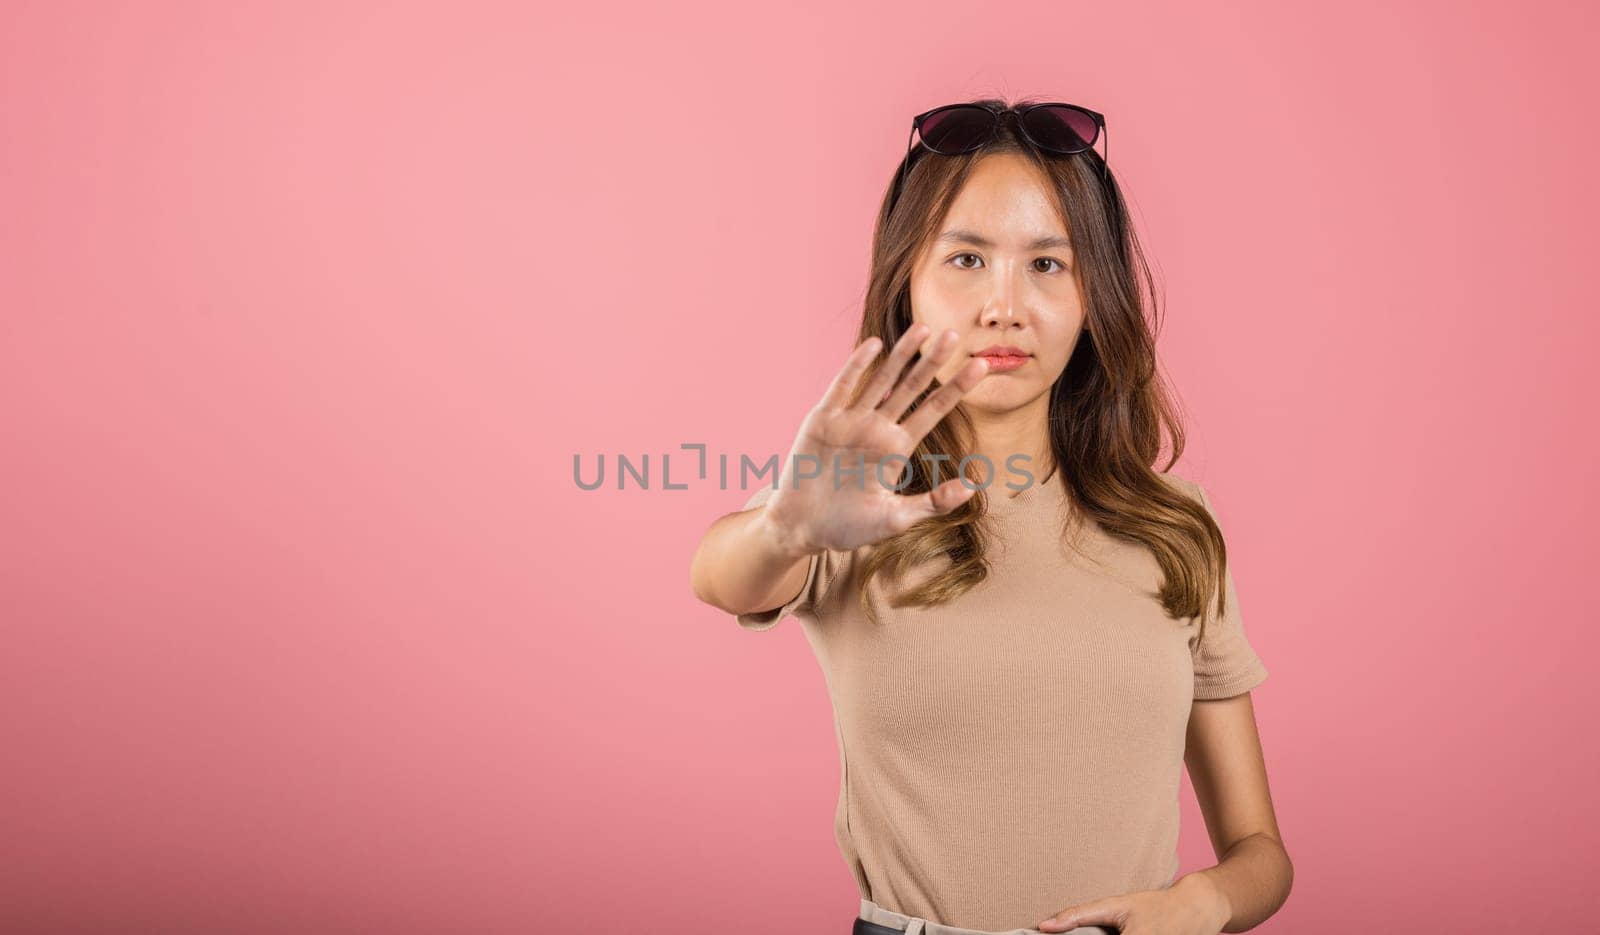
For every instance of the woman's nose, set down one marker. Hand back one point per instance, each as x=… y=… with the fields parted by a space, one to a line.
x=1002 y=307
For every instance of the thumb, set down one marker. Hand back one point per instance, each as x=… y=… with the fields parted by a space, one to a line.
x=949 y=495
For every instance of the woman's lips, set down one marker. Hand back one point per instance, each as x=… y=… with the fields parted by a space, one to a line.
x=1002 y=362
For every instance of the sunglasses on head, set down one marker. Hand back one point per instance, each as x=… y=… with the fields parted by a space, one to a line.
x=955 y=129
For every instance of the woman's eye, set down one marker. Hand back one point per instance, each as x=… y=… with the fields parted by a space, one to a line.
x=1059 y=266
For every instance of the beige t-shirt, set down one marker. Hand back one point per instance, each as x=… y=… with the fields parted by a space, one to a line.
x=1017 y=750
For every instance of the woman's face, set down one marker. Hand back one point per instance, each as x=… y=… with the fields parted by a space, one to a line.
x=1000 y=271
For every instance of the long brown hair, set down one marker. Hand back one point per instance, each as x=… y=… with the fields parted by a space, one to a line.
x=1107 y=408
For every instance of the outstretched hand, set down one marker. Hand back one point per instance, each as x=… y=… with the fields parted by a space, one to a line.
x=854 y=430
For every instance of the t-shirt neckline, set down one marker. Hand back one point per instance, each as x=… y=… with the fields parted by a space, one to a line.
x=1001 y=498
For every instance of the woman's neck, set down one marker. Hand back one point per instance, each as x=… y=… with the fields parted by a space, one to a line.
x=1020 y=432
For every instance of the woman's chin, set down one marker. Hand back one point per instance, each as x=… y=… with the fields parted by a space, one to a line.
x=998 y=397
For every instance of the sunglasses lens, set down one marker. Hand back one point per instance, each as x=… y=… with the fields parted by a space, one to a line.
x=956 y=130
x=1063 y=129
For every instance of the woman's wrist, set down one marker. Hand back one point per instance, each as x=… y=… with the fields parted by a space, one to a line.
x=781 y=540
x=1207 y=894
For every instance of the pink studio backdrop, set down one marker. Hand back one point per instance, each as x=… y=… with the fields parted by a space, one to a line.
x=307 y=309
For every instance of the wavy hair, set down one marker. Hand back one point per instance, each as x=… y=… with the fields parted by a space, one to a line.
x=1107 y=409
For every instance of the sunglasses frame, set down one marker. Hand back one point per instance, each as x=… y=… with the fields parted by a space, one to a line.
x=996 y=115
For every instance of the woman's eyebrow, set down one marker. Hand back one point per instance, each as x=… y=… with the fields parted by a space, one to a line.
x=966 y=236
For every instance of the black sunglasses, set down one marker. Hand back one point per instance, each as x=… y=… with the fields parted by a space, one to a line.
x=954 y=129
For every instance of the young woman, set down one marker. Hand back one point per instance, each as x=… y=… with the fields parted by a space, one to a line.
x=1026 y=629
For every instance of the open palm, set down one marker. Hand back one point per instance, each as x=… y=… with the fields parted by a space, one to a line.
x=822 y=512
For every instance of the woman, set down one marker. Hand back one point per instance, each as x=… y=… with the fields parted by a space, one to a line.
x=1019 y=671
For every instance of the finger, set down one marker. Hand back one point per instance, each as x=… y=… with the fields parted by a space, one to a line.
x=940 y=500
x=1112 y=911
x=1060 y=922
x=920 y=376
x=944 y=399
x=890 y=371
x=949 y=495
x=844 y=382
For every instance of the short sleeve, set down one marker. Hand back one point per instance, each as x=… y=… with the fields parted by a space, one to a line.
x=823 y=566
x=1225 y=664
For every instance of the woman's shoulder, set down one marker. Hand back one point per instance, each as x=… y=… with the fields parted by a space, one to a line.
x=1182 y=484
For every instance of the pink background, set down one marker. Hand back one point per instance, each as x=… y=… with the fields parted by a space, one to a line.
x=307 y=309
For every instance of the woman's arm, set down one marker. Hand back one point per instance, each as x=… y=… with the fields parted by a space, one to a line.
x=743 y=564
x=1228 y=771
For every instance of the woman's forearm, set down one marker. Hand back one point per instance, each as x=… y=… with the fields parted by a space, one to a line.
x=746 y=564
